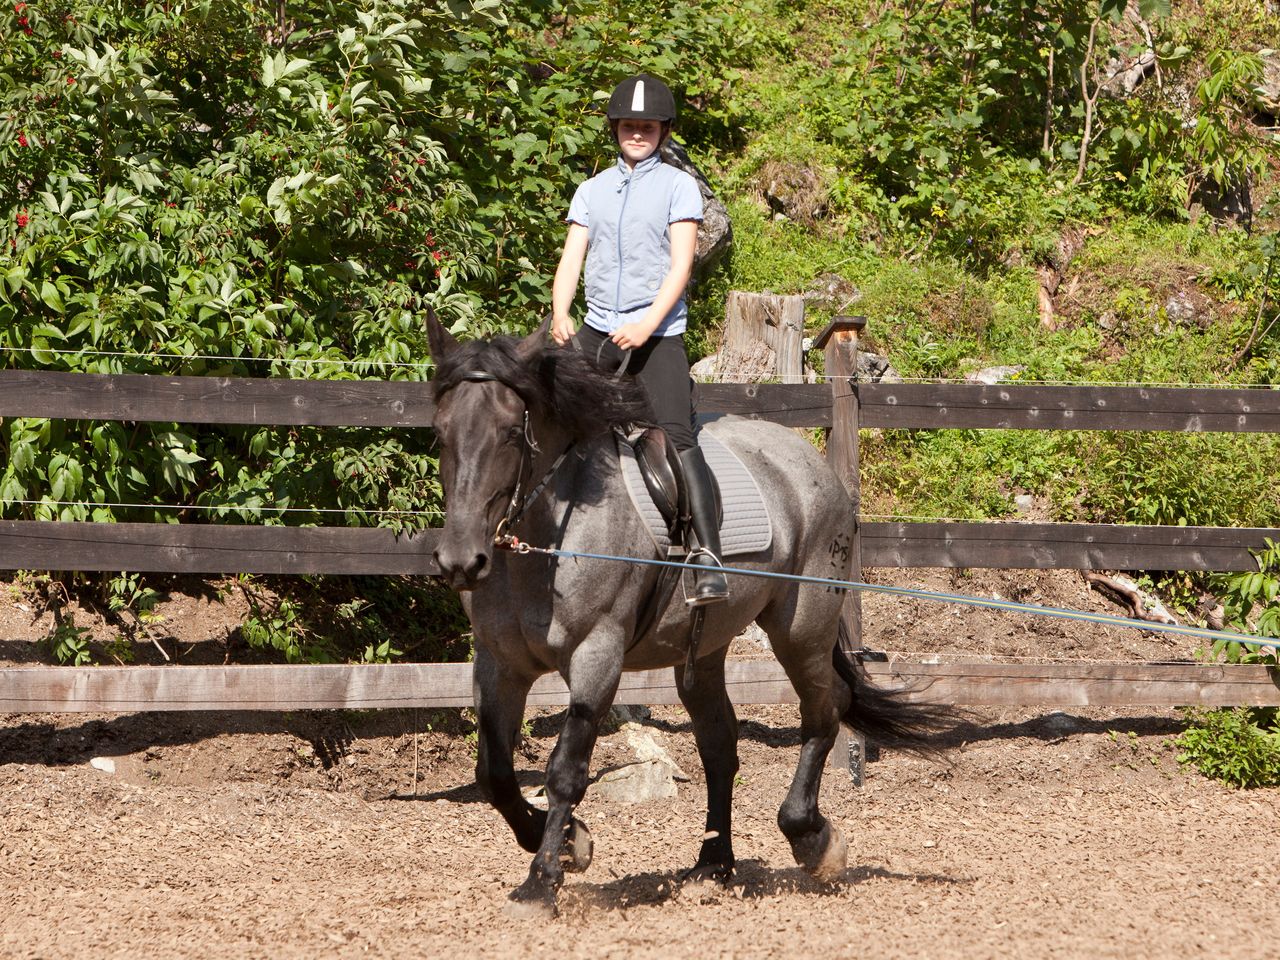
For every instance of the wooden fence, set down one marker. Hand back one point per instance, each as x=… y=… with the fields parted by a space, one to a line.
x=842 y=405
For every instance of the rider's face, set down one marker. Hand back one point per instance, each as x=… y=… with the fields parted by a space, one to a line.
x=638 y=139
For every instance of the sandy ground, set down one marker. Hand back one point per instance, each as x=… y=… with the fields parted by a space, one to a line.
x=1049 y=834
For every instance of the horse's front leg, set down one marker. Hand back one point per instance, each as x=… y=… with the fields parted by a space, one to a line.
x=593 y=675
x=500 y=695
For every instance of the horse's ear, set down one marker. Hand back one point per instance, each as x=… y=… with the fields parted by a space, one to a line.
x=537 y=340
x=440 y=340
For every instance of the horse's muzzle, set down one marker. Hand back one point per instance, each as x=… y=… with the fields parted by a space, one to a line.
x=462 y=569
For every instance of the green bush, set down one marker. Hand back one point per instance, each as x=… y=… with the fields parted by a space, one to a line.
x=1240 y=747
x=268 y=190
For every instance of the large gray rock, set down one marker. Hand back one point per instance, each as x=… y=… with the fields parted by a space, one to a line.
x=873 y=368
x=715 y=233
x=1269 y=88
x=652 y=776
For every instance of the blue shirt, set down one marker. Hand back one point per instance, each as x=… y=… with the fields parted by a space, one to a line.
x=628 y=213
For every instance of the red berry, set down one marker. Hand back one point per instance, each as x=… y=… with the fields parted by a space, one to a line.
x=437 y=256
x=23 y=220
x=22 y=139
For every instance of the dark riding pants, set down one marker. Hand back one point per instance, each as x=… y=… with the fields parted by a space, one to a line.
x=662 y=366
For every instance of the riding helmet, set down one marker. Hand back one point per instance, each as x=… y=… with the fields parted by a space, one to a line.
x=642 y=97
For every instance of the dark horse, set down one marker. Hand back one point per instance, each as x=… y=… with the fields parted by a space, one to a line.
x=507 y=410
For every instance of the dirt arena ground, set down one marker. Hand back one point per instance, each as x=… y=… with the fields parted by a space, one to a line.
x=1049 y=835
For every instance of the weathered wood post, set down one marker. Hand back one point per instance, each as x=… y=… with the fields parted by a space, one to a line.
x=839 y=343
x=776 y=321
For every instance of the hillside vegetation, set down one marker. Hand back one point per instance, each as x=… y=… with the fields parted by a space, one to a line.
x=1082 y=190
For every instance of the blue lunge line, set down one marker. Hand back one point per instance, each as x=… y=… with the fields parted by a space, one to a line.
x=959 y=598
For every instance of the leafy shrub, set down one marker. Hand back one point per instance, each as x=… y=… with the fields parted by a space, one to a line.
x=262 y=189
x=1240 y=747
x=1243 y=595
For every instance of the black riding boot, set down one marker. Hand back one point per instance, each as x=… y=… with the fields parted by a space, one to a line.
x=709 y=585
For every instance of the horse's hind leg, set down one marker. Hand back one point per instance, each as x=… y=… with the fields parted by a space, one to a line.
x=715 y=727
x=802 y=645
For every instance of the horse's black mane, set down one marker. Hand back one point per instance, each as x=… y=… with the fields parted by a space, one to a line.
x=561 y=382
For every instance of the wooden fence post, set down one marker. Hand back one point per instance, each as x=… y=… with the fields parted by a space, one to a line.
x=776 y=321
x=839 y=343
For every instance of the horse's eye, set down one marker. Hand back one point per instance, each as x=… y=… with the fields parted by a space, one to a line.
x=515 y=434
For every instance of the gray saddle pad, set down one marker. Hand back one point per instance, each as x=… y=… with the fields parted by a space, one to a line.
x=746 y=527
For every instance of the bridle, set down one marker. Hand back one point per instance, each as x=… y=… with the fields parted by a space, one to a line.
x=516 y=507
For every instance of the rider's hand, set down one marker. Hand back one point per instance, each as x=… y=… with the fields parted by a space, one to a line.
x=631 y=336
x=562 y=329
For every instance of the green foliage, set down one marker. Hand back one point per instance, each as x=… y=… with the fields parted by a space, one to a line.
x=362 y=619
x=70 y=644
x=253 y=189
x=1246 y=594
x=1240 y=747
x=193 y=189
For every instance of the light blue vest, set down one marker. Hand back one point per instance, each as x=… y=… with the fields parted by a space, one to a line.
x=627 y=213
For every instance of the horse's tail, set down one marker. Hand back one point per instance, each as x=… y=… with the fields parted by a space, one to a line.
x=916 y=727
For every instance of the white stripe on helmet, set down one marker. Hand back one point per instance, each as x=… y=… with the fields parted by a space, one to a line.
x=637 y=97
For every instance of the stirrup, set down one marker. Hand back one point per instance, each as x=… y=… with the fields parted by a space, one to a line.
x=714 y=592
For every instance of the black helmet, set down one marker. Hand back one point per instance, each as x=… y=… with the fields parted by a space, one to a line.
x=642 y=98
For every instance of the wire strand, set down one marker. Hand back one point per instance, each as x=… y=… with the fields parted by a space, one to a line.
x=703 y=378
x=389 y=511
x=214 y=356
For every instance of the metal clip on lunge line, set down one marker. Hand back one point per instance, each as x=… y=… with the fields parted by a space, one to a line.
x=509 y=541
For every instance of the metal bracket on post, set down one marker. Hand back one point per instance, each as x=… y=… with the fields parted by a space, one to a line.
x=839 y=343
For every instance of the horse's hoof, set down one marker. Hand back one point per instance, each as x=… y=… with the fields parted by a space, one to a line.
x=708 y=874
x=835 y=858
x=538 y=905
x=578 y=848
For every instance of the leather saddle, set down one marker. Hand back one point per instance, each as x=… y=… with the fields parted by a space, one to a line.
x=663 y=475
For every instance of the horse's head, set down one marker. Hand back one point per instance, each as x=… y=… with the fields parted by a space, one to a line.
x=482 y=394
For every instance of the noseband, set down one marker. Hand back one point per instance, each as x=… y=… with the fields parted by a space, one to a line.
x=517 y=506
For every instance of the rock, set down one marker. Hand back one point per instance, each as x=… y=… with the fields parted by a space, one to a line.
x=715 y=233
x=1269 y=87
x=1230 y=203
x=793 y=192
x=994 y=375
x=630 y=713
x=1179 y=309
x=105 y=764
x=1023 y=502
x=755 y=635
x=832 y=290
x=873 y=368
x=637 y=783
x=708 y=368
x=1061 y=723
x=647 y=749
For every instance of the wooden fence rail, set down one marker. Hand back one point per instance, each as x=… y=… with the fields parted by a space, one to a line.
x=397 y=403
x=842 y=405
x=433 y=685
x=236 y=548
